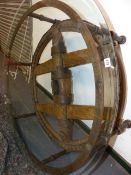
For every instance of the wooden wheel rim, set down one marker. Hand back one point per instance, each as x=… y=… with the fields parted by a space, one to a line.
x=39 y=50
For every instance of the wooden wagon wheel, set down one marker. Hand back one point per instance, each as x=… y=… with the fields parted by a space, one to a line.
x=62 y=79
x=104 y=113
x=102 y=116
x=61 y=108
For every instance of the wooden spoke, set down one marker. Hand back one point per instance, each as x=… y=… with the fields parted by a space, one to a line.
x=84 y=112
x=52 y=109
x=77 y=58
x=69 y=60
x=81 y=112
x=45 y=67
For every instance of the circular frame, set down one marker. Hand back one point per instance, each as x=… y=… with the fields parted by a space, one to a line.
x=103 y=134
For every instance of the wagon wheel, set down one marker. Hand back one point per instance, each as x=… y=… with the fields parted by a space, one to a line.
x=103 y=113
x=62 y=108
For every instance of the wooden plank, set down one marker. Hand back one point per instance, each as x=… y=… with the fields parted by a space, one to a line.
x=81 y=112
x=76 y=58
x=52 y=109
x=45 y=67
x=84 y=112
x=70 y=60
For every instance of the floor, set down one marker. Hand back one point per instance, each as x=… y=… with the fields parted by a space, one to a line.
x=37 y=140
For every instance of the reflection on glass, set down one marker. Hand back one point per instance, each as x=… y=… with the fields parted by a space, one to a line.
x=83 y=76
x=83 y=85
x=74 y=41
x=45 y=80
x=87 y=10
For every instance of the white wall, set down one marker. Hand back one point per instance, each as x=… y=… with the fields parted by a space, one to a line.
x=117 y=10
